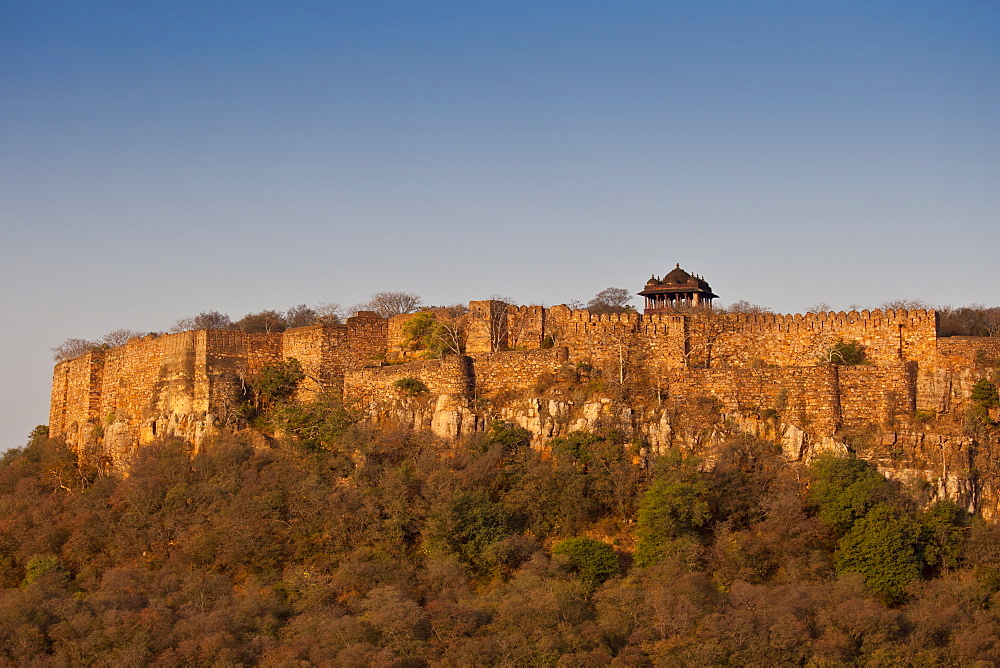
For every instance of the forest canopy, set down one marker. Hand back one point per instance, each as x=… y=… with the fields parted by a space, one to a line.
x=395 y=549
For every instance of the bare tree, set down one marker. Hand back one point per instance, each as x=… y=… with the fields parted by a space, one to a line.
x=388 y=304
x=907 y=304
x=204 y=320
x=71 y=348
x=329 y=313
x=610 y=300
x=743 y=306
x=971 y=320
x=819 y=307
x=705 y=332
x=119 y=337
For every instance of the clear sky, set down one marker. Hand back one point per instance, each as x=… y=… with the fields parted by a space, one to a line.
x=158 y=159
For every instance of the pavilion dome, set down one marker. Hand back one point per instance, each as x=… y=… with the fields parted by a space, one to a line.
x=677 y=276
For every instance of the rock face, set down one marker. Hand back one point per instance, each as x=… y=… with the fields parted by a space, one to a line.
x=936 y=462
x=664 y=379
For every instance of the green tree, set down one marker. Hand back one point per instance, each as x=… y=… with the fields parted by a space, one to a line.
x=984 y=395
x=885 y=547
x=672 y=512
x=41 y=565
x=317 y=425
x=945 y=527
x=438 y=336
x=276 y=382
x=844 y=489
x=480 y=524
x=849 y=353
x=593 y=560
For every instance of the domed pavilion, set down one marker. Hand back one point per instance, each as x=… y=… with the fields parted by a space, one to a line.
x=678 y=289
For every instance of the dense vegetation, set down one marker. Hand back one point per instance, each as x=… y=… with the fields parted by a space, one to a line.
x=355 y=547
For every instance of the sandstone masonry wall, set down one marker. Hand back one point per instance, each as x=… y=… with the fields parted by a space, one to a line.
x=76 y=394
x=801 y=395
x=704 y=339
x=495 y=373
x=792 y=340
x=871 y=395
x=451 y=376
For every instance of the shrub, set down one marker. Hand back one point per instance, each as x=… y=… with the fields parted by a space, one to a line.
x=41 y=565
x=984 y=395
x=411 y=386
x=674 y=508
x=277 y=381
x=318 y=425
x=849 y=353
x=593 y=560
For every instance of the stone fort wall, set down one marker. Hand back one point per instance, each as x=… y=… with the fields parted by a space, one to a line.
x=184 y=383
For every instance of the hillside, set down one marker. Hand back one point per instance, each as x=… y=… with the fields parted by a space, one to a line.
x=388 y=549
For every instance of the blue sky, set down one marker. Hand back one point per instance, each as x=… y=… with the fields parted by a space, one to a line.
x=160 y=159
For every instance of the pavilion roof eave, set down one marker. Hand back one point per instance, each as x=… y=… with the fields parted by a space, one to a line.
x=678 y=291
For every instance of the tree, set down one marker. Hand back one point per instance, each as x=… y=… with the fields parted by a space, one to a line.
x=850 y=353
x=705 y=331
x=743 y=306
x=945 y=526
x=436 y=333
x=904 y=304
x=844 y=489
x=834 y=350
x=119 y=337
x=479 y=524
x=971 y=320
x=675 y=507
x=276 y=382
x=388 y=304
x=299 y=316
x=884 y=546
x=318 y=425
x=204 y=320
x=610 y=300
x=71 y=348
x=593 y=560
x=265 y=321
x=984 y=395
x=329 y=313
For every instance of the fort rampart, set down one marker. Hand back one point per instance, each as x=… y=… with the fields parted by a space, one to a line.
x=187 y=383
